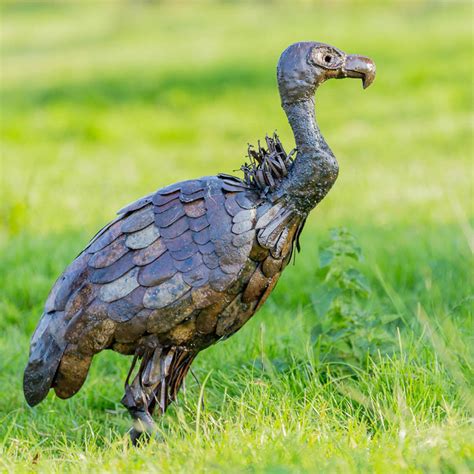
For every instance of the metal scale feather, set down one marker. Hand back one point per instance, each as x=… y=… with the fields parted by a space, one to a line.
x=177 y=271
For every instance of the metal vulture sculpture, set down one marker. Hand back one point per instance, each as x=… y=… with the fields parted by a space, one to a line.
x=189 y=264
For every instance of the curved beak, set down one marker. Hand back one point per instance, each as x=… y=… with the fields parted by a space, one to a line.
x=359 y=67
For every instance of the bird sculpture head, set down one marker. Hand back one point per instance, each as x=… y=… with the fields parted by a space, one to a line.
x=303 y=66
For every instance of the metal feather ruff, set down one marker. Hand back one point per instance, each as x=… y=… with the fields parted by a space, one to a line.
x=268 y=166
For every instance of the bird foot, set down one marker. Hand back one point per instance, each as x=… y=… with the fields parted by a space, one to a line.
x=143 y=427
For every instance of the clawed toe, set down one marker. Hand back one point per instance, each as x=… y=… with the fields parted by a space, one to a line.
x=143 y=427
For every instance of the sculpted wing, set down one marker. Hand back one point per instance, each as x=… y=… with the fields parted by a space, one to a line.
x=164 y=257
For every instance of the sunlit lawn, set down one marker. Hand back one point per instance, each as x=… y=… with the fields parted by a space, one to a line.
x=104 y=102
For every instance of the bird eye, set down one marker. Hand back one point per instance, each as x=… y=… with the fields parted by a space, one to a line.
x=327 y=59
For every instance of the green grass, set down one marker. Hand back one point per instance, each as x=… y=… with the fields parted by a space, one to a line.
x=104 y=102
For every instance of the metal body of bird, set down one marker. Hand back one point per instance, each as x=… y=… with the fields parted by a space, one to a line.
x=189 y=264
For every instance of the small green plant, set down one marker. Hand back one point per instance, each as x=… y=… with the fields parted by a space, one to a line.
x=349 y=328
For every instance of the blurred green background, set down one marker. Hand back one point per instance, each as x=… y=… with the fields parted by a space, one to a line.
x=103 y=102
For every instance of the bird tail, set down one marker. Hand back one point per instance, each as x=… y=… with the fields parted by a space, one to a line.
x=47 y=347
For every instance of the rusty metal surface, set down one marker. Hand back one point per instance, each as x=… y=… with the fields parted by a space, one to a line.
x=189 y=264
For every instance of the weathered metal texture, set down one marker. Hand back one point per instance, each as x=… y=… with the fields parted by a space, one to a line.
x=189 y=264
x=173 y=265
x=72 y=372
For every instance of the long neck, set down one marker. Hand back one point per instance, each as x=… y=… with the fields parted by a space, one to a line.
x=315 y=169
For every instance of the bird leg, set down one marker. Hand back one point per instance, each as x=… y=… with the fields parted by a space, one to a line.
x=157 y=383
x=140 y=394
